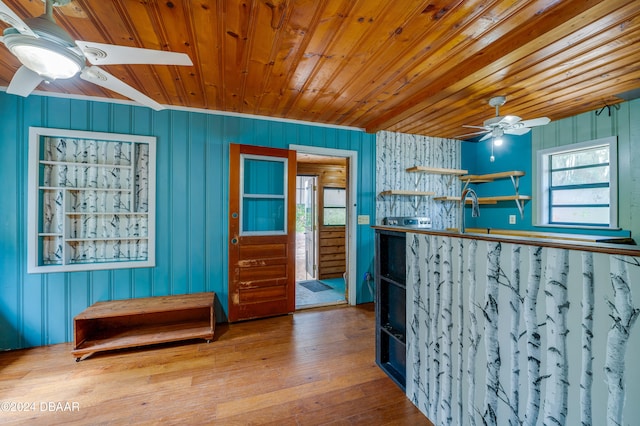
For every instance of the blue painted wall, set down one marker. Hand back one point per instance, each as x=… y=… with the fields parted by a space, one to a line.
x=191 y=208
x=519 y=153
x=514 y=154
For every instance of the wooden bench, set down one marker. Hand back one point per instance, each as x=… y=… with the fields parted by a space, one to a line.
x=129 y=323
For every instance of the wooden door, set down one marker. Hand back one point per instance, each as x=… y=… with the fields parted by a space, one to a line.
x=261 y=232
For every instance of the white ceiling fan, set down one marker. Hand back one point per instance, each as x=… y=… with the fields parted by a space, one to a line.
x=499 y=125
x=47 y=52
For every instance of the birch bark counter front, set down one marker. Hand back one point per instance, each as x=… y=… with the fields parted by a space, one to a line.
x=513 y=330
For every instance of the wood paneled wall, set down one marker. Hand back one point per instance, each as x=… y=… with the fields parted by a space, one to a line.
x=622 y=121
x=192 y=208
x=520 y=153
x=332 y=257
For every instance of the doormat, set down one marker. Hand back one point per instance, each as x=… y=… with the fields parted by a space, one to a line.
x=315 y=286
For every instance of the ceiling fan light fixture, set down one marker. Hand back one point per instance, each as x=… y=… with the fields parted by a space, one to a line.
x=498 y=133
x=47 y=59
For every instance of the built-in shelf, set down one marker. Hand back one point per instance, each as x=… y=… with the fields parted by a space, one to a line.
x=391 y=305
x=93 y=200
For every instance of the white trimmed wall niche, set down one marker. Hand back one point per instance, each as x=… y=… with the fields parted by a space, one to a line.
x=91 y=200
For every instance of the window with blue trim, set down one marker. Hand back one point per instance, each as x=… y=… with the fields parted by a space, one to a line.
x=579 y=184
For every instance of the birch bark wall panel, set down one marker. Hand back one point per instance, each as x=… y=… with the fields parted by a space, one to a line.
x=500 y=333
x=397 y=152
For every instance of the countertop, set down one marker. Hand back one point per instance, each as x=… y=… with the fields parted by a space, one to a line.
x=583 y=242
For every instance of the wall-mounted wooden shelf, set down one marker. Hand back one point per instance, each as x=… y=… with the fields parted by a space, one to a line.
x=406 y=193
x=481 y=200
x=437 y=170
x=514 y=175
x=491 y=176
x=422 y=170
x=506 y=198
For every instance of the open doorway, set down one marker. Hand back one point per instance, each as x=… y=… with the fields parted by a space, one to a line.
x=321 y=231
x=306 y=228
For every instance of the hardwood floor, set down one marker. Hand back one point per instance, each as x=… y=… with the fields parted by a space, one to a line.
x=315 y=367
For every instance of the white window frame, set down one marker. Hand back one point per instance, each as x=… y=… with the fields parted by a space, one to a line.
x=543 y=181
x=284 y=196
x=35 y=210
x=328 y=189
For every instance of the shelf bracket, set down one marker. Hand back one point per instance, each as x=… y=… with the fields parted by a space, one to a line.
x=516 y=183
x=519 y=203
x=466 y=184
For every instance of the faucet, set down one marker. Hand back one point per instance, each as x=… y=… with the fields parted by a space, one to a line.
x=475 y=206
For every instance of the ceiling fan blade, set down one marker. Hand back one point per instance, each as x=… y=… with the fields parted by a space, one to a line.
x=485 y=137
x=24 y=82
x=541 y=121
x=110 y=54
x=102 y=78
x=509 y=120
x=475 y=127
x=469 y=134
x=518 y=131
x=7 y=15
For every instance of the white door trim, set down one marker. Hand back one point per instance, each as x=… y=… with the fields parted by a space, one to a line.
x=352 y=158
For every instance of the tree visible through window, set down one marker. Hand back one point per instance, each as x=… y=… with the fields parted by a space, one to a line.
x=579 y=184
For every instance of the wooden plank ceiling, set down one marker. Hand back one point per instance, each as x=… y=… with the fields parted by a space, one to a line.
x=423 y=67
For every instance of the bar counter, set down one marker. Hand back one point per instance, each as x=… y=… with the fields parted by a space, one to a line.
x=513 y=329
x=586 y=242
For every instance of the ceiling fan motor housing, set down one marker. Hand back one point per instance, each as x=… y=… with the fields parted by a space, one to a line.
x=497 y=101
x=45 y=27
x=493 y=121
